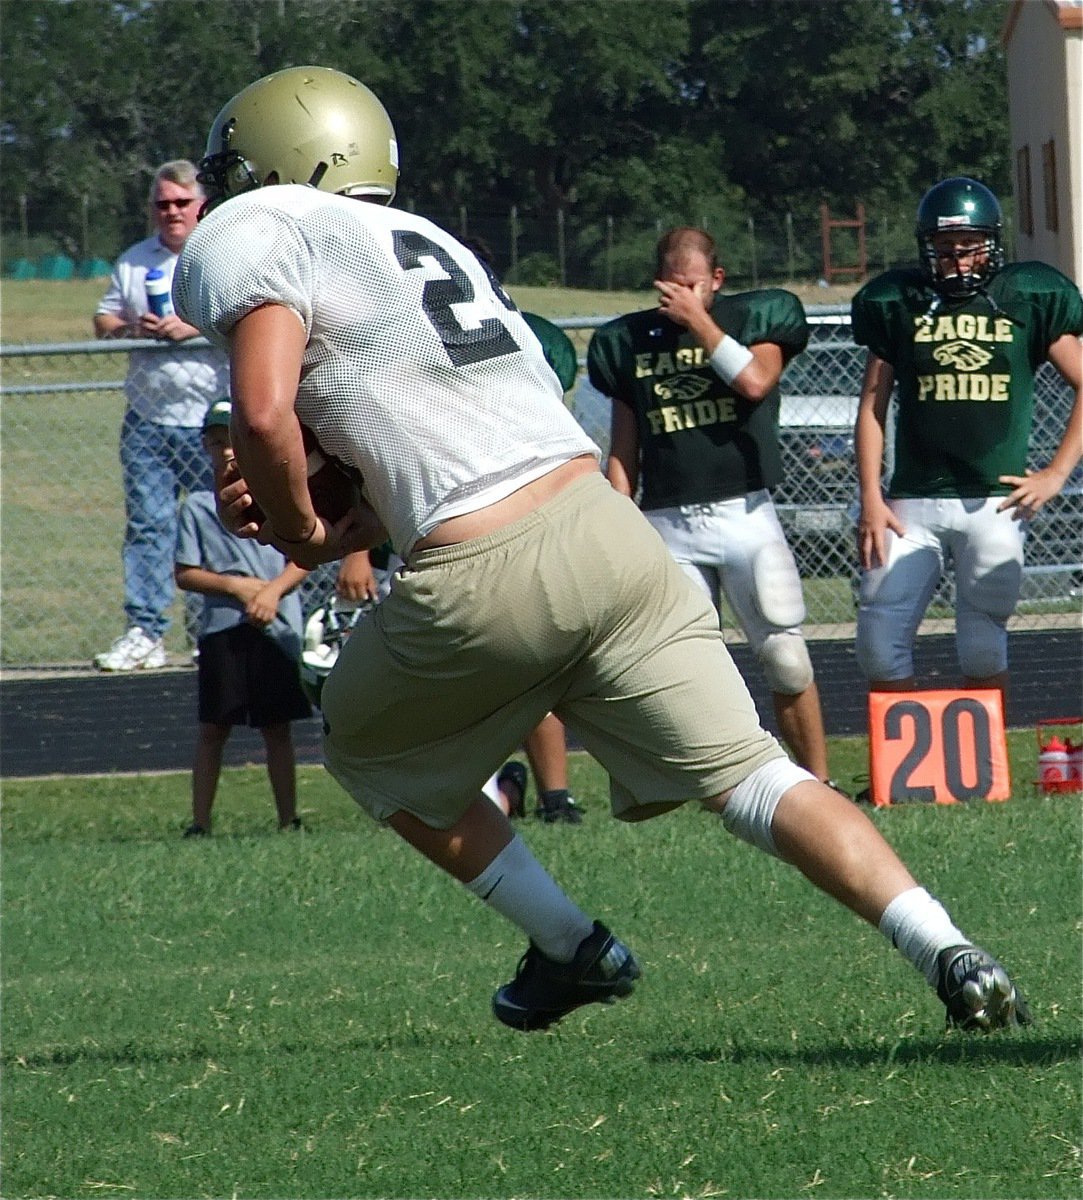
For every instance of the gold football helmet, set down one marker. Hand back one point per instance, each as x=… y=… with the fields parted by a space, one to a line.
x=309 y=125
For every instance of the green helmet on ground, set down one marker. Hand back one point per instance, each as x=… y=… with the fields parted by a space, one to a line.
x=308 y=125
x=960 y=203
x=326 y=629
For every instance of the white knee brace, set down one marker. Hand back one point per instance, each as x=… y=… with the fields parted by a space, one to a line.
x=750 y=810
x=777 y=585
x=786 y=663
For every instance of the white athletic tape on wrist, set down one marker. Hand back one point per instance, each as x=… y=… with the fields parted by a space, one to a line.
x=730 y=358
x=750 y=810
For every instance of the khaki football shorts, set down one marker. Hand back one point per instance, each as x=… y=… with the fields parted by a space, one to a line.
x=578 y=609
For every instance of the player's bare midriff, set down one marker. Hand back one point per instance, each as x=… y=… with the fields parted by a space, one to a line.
x=511 y=508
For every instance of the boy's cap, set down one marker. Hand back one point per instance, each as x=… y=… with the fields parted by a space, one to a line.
x=218 y=414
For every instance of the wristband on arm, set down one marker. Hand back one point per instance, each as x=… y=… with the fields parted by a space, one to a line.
x=730 y=358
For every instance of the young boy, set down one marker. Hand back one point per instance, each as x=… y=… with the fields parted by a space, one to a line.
x=249 y=641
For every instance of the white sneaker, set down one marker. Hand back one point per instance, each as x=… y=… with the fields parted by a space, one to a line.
x=132 y=651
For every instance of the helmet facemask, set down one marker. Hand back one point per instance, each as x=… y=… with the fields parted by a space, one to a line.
x=955 y=206
x=225 y=173
x=961 y=272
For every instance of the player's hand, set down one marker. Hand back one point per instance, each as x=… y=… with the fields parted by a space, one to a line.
x=356 y=579
x=237 y=508
x=1029 y=492
x=680 y=303
x=876 y=519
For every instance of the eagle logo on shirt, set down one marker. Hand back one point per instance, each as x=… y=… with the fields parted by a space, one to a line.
x=681 y=387
x=963 y=356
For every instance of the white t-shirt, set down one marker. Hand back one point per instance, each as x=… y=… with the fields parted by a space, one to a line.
x=419 y=371
x=168 y=387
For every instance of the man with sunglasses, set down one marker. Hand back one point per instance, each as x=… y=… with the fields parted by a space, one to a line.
x=167 y=392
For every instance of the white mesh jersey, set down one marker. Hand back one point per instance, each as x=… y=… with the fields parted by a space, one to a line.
x=418 y=371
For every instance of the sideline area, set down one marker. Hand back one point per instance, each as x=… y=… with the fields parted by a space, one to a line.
x=86 y=723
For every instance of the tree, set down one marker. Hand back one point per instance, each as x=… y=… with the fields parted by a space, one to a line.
x=616 y=116
x=957 y=66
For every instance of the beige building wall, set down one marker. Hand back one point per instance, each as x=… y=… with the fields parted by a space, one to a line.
x=1043 y=41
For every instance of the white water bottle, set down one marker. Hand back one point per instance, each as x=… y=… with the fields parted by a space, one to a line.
x=159 y=300
x=1053 y=765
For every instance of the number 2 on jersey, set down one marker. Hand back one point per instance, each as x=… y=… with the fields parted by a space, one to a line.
x=464 y=346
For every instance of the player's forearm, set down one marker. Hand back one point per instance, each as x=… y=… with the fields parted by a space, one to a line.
x=869 y=443
x=266 y=353
x=703 y=327
x=271 y=458
x=619 y=476
x=1070 y=451
x=869 y=428
x=752 y=371
x=622 y=467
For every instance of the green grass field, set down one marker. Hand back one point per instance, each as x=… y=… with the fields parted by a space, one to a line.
x=266 y=1015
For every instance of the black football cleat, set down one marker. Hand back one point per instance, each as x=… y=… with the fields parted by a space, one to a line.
x=543 y=990
x=977 y=991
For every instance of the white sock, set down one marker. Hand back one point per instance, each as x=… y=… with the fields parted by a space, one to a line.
x=919 y=927
x=520 y=888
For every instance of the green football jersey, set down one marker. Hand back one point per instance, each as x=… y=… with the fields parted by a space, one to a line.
x=558 y=348
x=699 y=440
x=965 y=374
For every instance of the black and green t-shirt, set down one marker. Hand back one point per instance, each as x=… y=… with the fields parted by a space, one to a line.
x=699 y=440
x=965 y=375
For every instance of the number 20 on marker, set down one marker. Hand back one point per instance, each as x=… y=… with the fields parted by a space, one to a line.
x=937 y=747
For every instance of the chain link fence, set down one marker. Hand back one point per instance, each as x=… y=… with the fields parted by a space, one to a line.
x=63 y=506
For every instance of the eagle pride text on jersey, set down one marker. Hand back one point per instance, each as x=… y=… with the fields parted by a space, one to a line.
x=699 y=439
x=965 y=372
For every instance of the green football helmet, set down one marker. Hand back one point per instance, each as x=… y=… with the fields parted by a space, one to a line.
x=309 y=125
x=953 y=204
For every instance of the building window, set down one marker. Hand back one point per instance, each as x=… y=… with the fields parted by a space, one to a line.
x=1022 y=192
x=1049 y=184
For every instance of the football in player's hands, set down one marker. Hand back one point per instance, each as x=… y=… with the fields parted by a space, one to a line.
x=332 y=487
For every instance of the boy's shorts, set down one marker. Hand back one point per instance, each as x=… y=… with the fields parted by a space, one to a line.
x=577 y=608
x=246 y=679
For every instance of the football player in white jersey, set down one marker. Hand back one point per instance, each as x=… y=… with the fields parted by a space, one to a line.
x=529 y=585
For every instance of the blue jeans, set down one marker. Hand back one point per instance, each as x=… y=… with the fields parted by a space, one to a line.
x=158 y=463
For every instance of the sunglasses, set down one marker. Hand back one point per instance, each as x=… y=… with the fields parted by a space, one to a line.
x=166 y=205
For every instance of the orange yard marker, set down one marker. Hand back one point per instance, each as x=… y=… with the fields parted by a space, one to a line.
x=937 y=747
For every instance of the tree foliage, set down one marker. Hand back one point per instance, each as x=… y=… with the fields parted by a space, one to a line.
x=605 y=110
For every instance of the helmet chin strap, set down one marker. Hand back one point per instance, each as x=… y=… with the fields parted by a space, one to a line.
x=981 y=288
x=937 y=303
x=997 y=310
x=935 y=306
